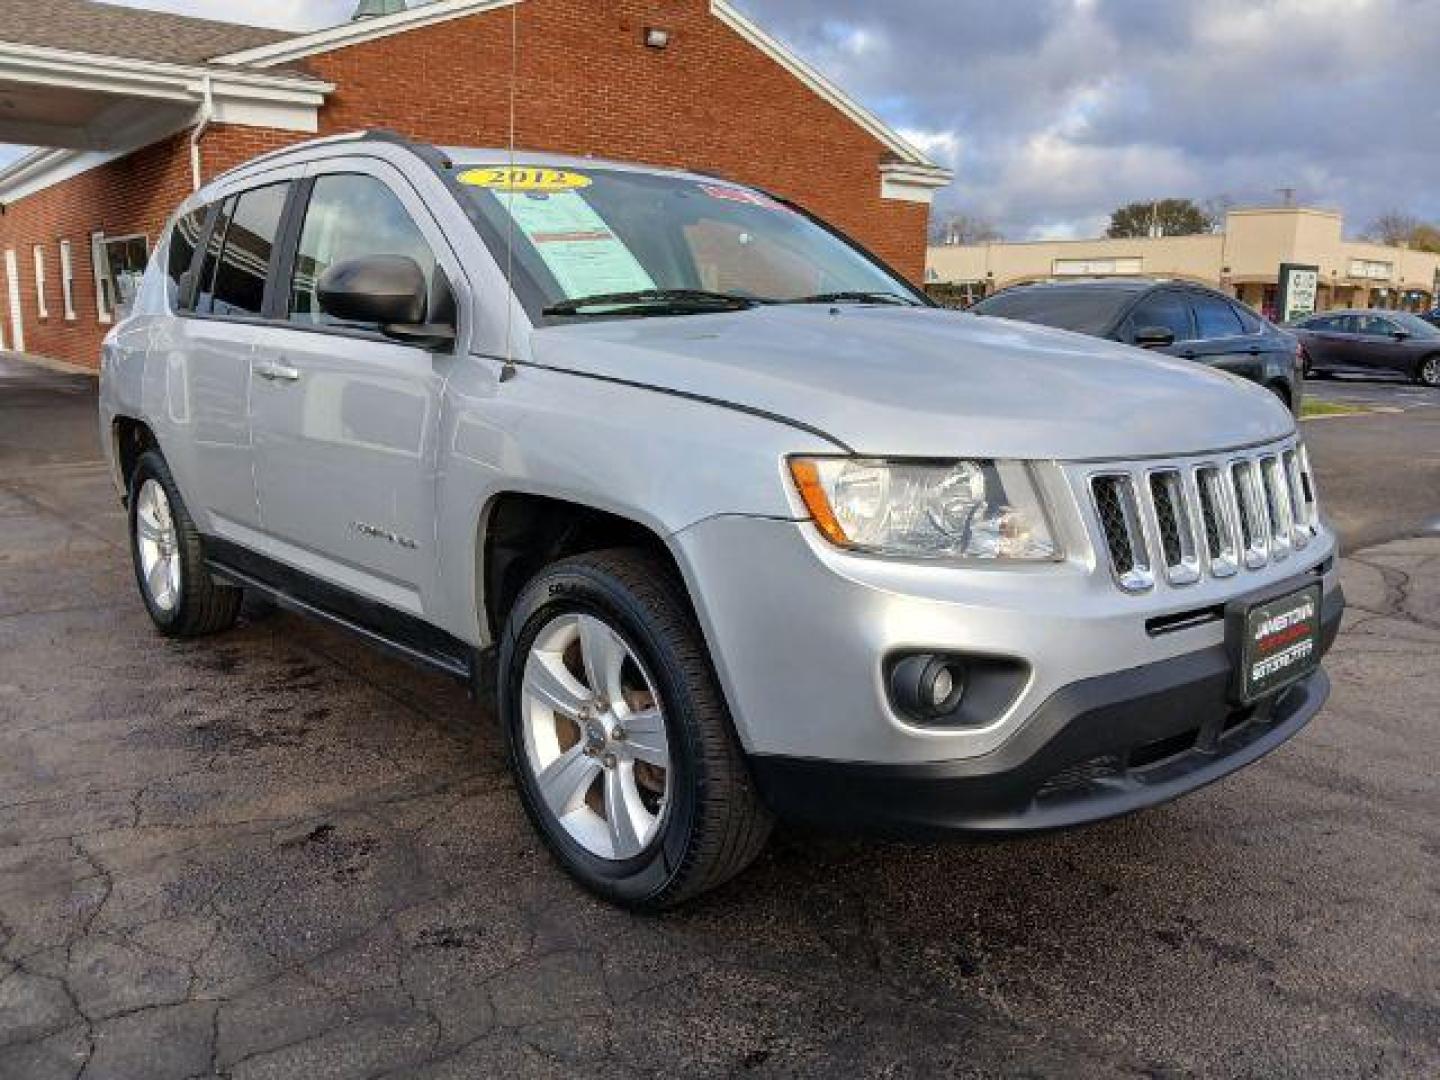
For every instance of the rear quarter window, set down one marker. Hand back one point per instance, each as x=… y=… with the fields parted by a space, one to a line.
x=185 y=237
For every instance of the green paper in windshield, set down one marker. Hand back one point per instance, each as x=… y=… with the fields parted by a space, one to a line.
x=578 y=248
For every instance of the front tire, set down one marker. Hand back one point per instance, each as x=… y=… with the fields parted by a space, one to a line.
x=1427 y=372
x=182 y=598
x=619 y=736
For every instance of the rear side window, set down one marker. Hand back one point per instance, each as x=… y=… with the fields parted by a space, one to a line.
x=350 y=216
x=1163 y=309
x=1252 y=322
x=184 y=239
x=1215 y=318
x=246 y=233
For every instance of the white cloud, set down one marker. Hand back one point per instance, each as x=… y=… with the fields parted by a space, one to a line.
x=941 y=146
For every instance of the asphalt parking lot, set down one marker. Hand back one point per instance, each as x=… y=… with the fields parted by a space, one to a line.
x=277 y=854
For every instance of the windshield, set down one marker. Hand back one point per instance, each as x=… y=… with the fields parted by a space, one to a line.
x=641 y=242
x=1084 y=310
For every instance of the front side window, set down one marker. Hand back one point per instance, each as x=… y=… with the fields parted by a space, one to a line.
x=581 y=233
x=1165 y=309
x=1215 y=318
x=1374 y=326
x=351 y=216
x=250 y=225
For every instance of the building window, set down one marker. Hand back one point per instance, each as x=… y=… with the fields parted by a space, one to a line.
x=1095 y=267
x=67 y=280
x=125 y=261
x=1371 y=269
x=104 y=306
x=41 y=308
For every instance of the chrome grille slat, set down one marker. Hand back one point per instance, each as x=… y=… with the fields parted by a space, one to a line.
x=1209 y=518
x=1277 y=506
x=1174 y=526
x=1217 y=506
x=1119 y=510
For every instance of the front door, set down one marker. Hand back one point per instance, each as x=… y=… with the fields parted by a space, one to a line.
x=1221 y=340
x=17 y=317
x=346 y=420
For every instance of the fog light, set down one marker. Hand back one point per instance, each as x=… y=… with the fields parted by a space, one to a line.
x=927 y=686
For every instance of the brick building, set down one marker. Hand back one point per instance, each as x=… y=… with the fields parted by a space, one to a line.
x=131 y=109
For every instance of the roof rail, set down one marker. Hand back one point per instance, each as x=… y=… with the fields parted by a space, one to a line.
x=426 y=151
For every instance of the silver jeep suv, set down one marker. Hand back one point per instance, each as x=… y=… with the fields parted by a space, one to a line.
x=751 y=529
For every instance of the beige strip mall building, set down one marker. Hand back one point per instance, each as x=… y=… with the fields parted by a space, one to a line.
x=1244 y=260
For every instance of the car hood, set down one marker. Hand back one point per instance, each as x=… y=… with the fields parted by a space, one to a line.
x=928 y=382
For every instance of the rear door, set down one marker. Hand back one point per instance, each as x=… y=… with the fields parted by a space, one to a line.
x=1324 y=340
x=1221 y=340
x=346 y=420
x=1377 y=348
x=221 y=311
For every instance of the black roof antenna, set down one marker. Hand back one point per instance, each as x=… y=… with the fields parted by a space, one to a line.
x=508 y=370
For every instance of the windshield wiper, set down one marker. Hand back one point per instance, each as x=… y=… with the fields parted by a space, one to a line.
x=684 y=300
x=856 y=297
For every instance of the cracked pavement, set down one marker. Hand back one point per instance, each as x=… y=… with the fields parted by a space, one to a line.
x=276 y=853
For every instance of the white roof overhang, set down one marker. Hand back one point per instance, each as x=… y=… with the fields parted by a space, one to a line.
x=72 y=104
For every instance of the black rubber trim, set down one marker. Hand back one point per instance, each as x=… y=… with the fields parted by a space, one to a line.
x=394 y=631
x=1129 y=716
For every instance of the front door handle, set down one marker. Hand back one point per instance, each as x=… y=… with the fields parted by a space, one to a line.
x=277 y=372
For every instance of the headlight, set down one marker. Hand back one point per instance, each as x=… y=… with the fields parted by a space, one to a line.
x=939 y=510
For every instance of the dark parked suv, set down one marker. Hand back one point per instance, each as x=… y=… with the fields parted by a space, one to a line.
x=1372 y=341
x=1183 y=320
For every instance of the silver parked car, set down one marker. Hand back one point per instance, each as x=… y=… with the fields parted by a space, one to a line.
x=750 y=527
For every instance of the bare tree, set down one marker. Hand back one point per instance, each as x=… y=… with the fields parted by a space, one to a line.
x=1392 y=227
x=1215 y=208
x=962 y=228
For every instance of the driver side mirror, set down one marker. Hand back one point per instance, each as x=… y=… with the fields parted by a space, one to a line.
x=391 y=291
x=1400 y=335
x=1154 y=337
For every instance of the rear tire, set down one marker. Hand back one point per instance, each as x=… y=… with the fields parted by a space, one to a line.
x=701 y=821
x=1427 y=372
x=182 y=598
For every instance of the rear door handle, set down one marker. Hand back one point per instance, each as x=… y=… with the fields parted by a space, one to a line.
x=277 y=372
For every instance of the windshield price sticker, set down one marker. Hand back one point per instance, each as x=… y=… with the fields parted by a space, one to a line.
x=575 y=243
x=741 y=195
x=524 y=178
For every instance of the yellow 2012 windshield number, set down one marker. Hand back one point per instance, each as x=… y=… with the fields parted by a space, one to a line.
x=524 y=178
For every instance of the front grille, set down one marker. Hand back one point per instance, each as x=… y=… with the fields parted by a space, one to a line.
x=1205 y=518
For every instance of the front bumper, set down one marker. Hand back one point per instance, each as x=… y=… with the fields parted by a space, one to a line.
x=1096 y=749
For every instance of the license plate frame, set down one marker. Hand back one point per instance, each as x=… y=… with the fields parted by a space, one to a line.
x=1285 y=624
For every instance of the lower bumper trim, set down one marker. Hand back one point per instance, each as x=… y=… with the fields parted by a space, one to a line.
x=1096 y=749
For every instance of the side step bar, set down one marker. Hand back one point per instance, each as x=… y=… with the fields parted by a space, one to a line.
x=395 y=632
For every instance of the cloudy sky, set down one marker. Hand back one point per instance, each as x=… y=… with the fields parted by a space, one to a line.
x=1052 y=112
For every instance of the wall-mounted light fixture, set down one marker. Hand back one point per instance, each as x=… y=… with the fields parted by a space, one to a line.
x=657 y=37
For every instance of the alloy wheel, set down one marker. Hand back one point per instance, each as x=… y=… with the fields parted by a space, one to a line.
x=1430 y=371
x=159 y=546
x=595 y=737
